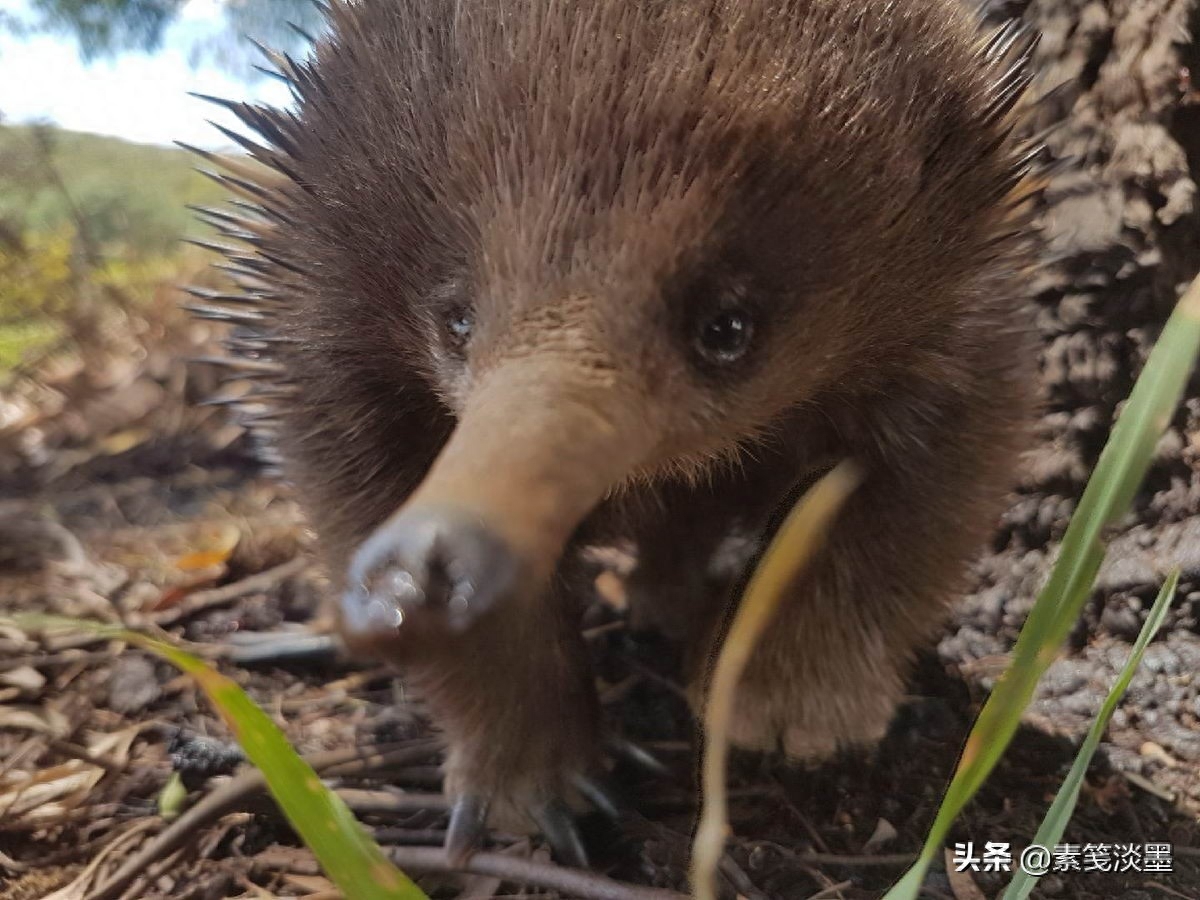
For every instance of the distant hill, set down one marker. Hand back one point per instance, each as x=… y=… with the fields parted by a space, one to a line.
x=132 y=200
x=132 y=196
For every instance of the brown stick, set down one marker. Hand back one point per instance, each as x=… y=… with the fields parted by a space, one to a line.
x=233 y=793
x=577 y=883
x=361 y=801
x=850 y=860
x=204 y=600
x=857 y=861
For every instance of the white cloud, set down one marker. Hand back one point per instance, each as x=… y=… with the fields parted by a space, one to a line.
x=201 y=11
x=140 y=97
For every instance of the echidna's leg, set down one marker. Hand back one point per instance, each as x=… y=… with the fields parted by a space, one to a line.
x=510 y=689
x=464 y=586
x=694 y=544
x=517 y=706
x=833 y=664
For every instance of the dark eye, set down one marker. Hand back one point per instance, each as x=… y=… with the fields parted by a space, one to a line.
x=725 y=336
x=458 y=327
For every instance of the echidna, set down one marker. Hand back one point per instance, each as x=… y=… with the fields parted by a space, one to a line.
x=528 y=276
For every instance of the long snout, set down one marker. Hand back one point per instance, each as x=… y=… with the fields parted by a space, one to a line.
x=537 y=447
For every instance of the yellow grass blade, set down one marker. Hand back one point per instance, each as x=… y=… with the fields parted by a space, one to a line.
x=796 y=541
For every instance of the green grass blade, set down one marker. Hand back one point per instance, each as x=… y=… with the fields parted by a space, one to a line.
x=1055 y=823
x=1118 y=474
x=348 y=855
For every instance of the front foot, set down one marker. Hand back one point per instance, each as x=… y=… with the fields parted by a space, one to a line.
x=555 y=819
x=804 y=735
x=807 y=717
x=542 y=795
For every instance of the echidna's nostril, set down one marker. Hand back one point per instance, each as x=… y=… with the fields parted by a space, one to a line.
x=438 y=567
x=450 y=579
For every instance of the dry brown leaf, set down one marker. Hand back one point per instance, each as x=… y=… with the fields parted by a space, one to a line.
x=44 y=720
x=885 y=832
x=962 y=885
x=79 y=888
x=123 y=441
x=1109 y=793
x=26 y=678
x=45 y=797
x=115 y=745
x=216 y=545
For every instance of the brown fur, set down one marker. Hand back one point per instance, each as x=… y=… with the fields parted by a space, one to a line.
x=589 y=180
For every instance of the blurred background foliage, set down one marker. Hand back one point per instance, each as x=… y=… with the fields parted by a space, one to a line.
x=90 y=222
x=86 y=223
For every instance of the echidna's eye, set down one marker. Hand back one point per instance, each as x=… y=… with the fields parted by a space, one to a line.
x=725 y=336
x=458 y=327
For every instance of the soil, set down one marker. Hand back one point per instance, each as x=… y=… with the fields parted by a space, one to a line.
x=123 y=498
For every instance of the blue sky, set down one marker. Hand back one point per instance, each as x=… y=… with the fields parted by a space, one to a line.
x=138 y=96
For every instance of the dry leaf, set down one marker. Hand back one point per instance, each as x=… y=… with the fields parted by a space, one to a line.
x=885 y=832
x=41 y=720
x=45 y=797
x=216 y=545
x=123 y=441
x=27 y=678
x=962 y=884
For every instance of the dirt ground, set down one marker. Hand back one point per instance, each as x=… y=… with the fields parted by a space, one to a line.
x=123 y=498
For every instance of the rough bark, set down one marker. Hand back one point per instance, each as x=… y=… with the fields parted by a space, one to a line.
x=1121 y=238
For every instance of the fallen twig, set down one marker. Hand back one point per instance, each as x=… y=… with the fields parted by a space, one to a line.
x=737 y=877
x=577 y=883
x=234 y=792
x=7 y=862
x=856 y=860
x=72 y=890
x=284 y=650
x=210 y=599
x=834 y=890
x=825 y=858
x=74 y=751
x=361 y=801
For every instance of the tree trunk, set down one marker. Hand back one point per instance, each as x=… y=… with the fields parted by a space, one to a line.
x=1121 y=238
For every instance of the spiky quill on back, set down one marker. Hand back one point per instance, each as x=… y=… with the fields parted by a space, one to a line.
x=265 y=185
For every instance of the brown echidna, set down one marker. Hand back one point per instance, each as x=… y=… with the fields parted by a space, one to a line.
x=529 y=276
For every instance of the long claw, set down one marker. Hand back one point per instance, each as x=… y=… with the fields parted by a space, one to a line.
x=468 y=824
x=558 y=825
x=628 y=750
x=598 y=795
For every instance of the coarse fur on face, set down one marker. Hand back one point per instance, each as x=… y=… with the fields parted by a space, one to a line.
x=634 y=269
